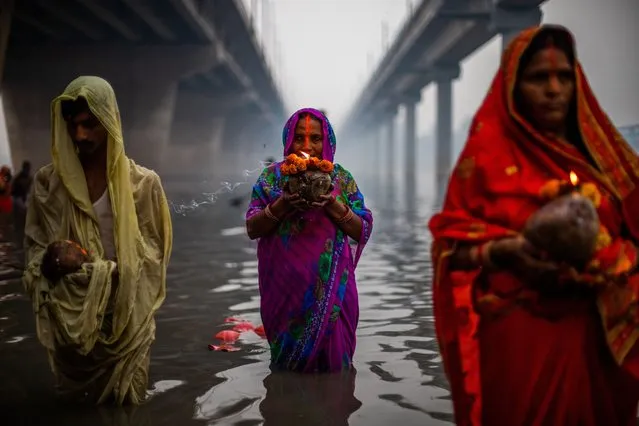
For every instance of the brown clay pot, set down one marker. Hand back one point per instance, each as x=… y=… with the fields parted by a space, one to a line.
x=566 y=229
x=310 y=185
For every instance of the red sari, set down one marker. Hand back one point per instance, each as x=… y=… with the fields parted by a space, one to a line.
x=513 y=358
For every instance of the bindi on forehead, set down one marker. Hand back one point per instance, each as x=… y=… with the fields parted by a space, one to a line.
x=307 y=125
x=553 y=53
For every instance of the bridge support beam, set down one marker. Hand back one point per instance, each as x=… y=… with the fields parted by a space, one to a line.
x=509 y=23
x=444 y=77
x=390 y=147
x=196 y=136
x=410 y=153
x=6 y=14
x=145 y=80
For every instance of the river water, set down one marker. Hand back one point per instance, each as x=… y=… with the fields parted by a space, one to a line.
x=213 y=275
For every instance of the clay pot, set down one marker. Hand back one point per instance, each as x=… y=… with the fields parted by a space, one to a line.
x=310 y=185
x=566 y=229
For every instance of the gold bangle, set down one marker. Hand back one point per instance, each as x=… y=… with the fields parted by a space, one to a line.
x=346 y=218
x=484 y=257
x=269 y=214
x=474 y=254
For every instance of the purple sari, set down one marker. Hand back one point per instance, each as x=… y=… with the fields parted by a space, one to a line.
x=309 y=302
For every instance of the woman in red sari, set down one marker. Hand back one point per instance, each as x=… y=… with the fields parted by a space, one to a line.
x=522 y=344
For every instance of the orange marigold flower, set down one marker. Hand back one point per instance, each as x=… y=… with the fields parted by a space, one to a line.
x=326 y=166
x=314 y=162
x=300 y=164
x=603 y=238
x=590 y=191
x=284 y=168
x=550 y=190
x=292 y=169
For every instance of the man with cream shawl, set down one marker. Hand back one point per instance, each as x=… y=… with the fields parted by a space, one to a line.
x=98 y=239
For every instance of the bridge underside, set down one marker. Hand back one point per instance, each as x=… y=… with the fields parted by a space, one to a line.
x=179 y=89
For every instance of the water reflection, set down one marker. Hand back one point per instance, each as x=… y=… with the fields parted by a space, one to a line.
x=213 y=275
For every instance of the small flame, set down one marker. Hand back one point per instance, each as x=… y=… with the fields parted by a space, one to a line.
x=306 y=156
x=573 y=178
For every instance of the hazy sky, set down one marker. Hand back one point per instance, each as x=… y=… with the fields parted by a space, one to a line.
x=326 y=46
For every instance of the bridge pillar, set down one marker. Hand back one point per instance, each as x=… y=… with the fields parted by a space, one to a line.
x=145 y=80
x=6 y=13
x=196 y=136
x=444 y=77
x=243 y=145
x=410 y=154
x=378 y=144
x=390 y=146
x=510 y=22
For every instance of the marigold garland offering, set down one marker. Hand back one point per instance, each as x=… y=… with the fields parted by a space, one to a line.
x=295 y=164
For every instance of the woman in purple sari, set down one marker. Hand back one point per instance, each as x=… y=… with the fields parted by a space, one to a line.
x=306 y=265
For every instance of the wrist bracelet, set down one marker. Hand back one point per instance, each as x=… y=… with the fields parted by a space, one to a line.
x=346 y=218
x=269 y=214
x=475 y=255
x=483 y=254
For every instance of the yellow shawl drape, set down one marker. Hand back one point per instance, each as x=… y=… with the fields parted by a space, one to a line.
x=95 y=348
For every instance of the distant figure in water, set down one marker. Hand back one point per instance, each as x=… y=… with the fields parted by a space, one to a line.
x=19 y=192
x=6 y=204
x=98 y=239
x=309 y=301
x=523 y=341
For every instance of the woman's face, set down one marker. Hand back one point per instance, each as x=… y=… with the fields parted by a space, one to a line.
x=546 y=88
x=308 y=137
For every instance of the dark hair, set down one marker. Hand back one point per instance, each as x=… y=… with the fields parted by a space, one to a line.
x=72 y=108
x=26 y=165
x=547 y=37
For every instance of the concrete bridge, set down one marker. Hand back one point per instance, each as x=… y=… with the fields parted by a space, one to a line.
x=435 y=39
x=191 y=79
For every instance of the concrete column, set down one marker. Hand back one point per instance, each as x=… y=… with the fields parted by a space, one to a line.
x=510 y=22
x=196 y=137
x=145 y=80
x=444 y=126
x=242 y=146
x=6 y=13
x=377 y=145
x=390 y=146
x=410 y=152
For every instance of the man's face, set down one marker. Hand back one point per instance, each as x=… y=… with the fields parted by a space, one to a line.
x=86 y=132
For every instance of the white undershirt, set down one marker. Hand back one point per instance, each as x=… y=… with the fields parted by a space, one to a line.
x=104 y=214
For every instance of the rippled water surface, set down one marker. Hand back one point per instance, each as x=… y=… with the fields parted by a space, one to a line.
x=213 y=275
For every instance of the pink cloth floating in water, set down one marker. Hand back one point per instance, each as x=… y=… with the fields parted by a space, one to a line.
x=224 y=347
x=228 y=336
x=259 y=330
x=243 y=326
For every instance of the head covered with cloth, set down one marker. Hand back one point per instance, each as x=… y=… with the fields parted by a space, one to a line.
x=306 y=266
x=97 y=324
x=521 y=343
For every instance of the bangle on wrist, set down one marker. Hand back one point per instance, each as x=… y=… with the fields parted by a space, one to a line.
x=483 y=255
x=269 y=214
x=347 y=216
